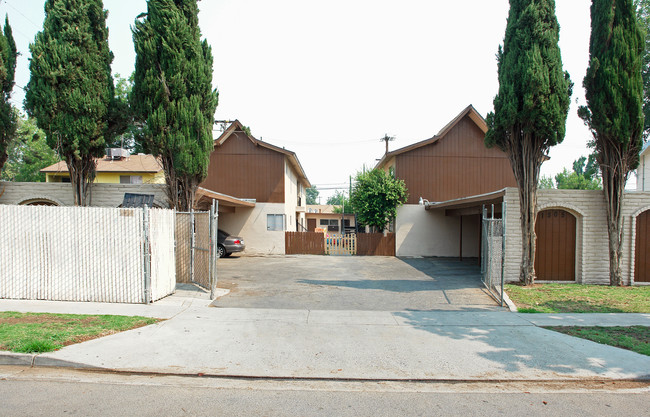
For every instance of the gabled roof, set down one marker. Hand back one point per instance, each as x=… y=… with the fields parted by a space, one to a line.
x=134 y=163
x=645 y=148
x=293 y=159
x=468 y=111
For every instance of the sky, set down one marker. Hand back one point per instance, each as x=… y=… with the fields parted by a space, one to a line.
x=327 y=80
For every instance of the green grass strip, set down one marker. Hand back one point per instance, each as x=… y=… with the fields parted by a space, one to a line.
x=634 y=338
x=578 y=298
x=44 y=332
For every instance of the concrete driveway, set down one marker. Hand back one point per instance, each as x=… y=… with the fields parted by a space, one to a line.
x=370 y=283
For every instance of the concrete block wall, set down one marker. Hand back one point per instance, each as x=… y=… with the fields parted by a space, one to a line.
x=103 y=195
x=592 y=257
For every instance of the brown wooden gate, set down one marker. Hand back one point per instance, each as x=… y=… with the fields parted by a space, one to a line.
x=555 y=251
x=642 y=251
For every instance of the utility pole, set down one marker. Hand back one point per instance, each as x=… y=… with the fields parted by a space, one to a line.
x=387 y=139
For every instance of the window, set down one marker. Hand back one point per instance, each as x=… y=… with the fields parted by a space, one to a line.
x=275 y=222
x=332 y=224
x=130 y=179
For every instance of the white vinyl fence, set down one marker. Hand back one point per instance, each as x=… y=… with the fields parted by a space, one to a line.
x=86 y=254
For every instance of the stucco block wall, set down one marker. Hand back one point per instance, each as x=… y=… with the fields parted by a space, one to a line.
x=592 y=257
x=420 y=232
x=103 y=195
x=250 y=224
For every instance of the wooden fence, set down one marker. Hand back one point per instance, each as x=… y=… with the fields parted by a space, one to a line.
x=376 y=244
x=305 y=243
x=315 y=243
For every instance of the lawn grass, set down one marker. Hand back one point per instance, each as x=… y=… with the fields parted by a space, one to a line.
x=44 y=332
x=578 y=298
x=635 y=338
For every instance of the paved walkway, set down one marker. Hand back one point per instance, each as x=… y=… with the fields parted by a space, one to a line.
x=429 y=345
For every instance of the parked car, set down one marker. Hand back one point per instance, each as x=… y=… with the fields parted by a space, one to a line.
x=227 y=244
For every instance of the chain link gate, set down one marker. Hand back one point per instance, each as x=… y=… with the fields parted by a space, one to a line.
x=493 y=245
x=196 y=248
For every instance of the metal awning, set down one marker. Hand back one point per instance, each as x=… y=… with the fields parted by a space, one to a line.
x=227 y=203
x=469 y=205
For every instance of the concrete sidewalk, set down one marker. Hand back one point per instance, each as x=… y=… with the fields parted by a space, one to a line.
x=381 y=345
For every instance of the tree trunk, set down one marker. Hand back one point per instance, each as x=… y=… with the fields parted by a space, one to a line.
x=82 y=175
x=526 y=158
x=614 y=171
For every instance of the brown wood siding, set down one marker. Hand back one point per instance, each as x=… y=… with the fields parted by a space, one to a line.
x=642 y=250
x=375 y=244
x=457 y=165
x=555 y=251
x=304 y=243
x=241 y=169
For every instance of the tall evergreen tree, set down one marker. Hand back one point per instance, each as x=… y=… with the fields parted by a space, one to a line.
x=71 y=89
x=614 y=111
x=643 y=16
x=172 y=94
x=531 y=107
x=8 y=120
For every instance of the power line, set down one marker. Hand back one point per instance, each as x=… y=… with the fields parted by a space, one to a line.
x=20 y=13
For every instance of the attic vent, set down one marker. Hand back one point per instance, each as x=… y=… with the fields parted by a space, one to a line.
x=117 y=153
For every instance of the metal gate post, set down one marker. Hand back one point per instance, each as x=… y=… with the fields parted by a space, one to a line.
x=214 y=219
x=147 y=256
x=503 y=246
x=192 y=244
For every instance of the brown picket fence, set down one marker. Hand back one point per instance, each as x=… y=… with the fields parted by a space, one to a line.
x=315 y=243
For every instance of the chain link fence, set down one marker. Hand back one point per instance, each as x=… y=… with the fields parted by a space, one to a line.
x=86 y=254
x=493 y=253
x=196 y=248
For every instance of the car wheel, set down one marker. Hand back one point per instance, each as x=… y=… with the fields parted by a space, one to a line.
x=221 y=251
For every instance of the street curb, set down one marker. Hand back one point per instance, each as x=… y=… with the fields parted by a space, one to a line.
x=32 y=360
x=509 y=303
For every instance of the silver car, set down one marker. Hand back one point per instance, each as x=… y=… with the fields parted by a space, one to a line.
x=227 y=244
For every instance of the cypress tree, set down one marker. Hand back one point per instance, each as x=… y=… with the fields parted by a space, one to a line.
x=614 y=111
x=531 y=107
x=71 y=89
x=8 y=119
x=173 y=96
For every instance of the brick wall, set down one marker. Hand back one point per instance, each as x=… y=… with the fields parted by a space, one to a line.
x=592 y=256
x=103 y=195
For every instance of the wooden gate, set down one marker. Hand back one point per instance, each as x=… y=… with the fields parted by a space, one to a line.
x=555 y=251
x=642 y=251
x=317 y=243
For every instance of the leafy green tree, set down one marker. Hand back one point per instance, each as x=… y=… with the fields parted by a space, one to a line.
x=614 y=111
x=127 y=132
x=531 y=107
x=583 y=177
x=643 y=16
x=545 y=183
x=28 y=154
x=8 y=54
x=312 y=195
x=341 y=202
x=70 y=92
x=173 y=96
x=376 y=195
